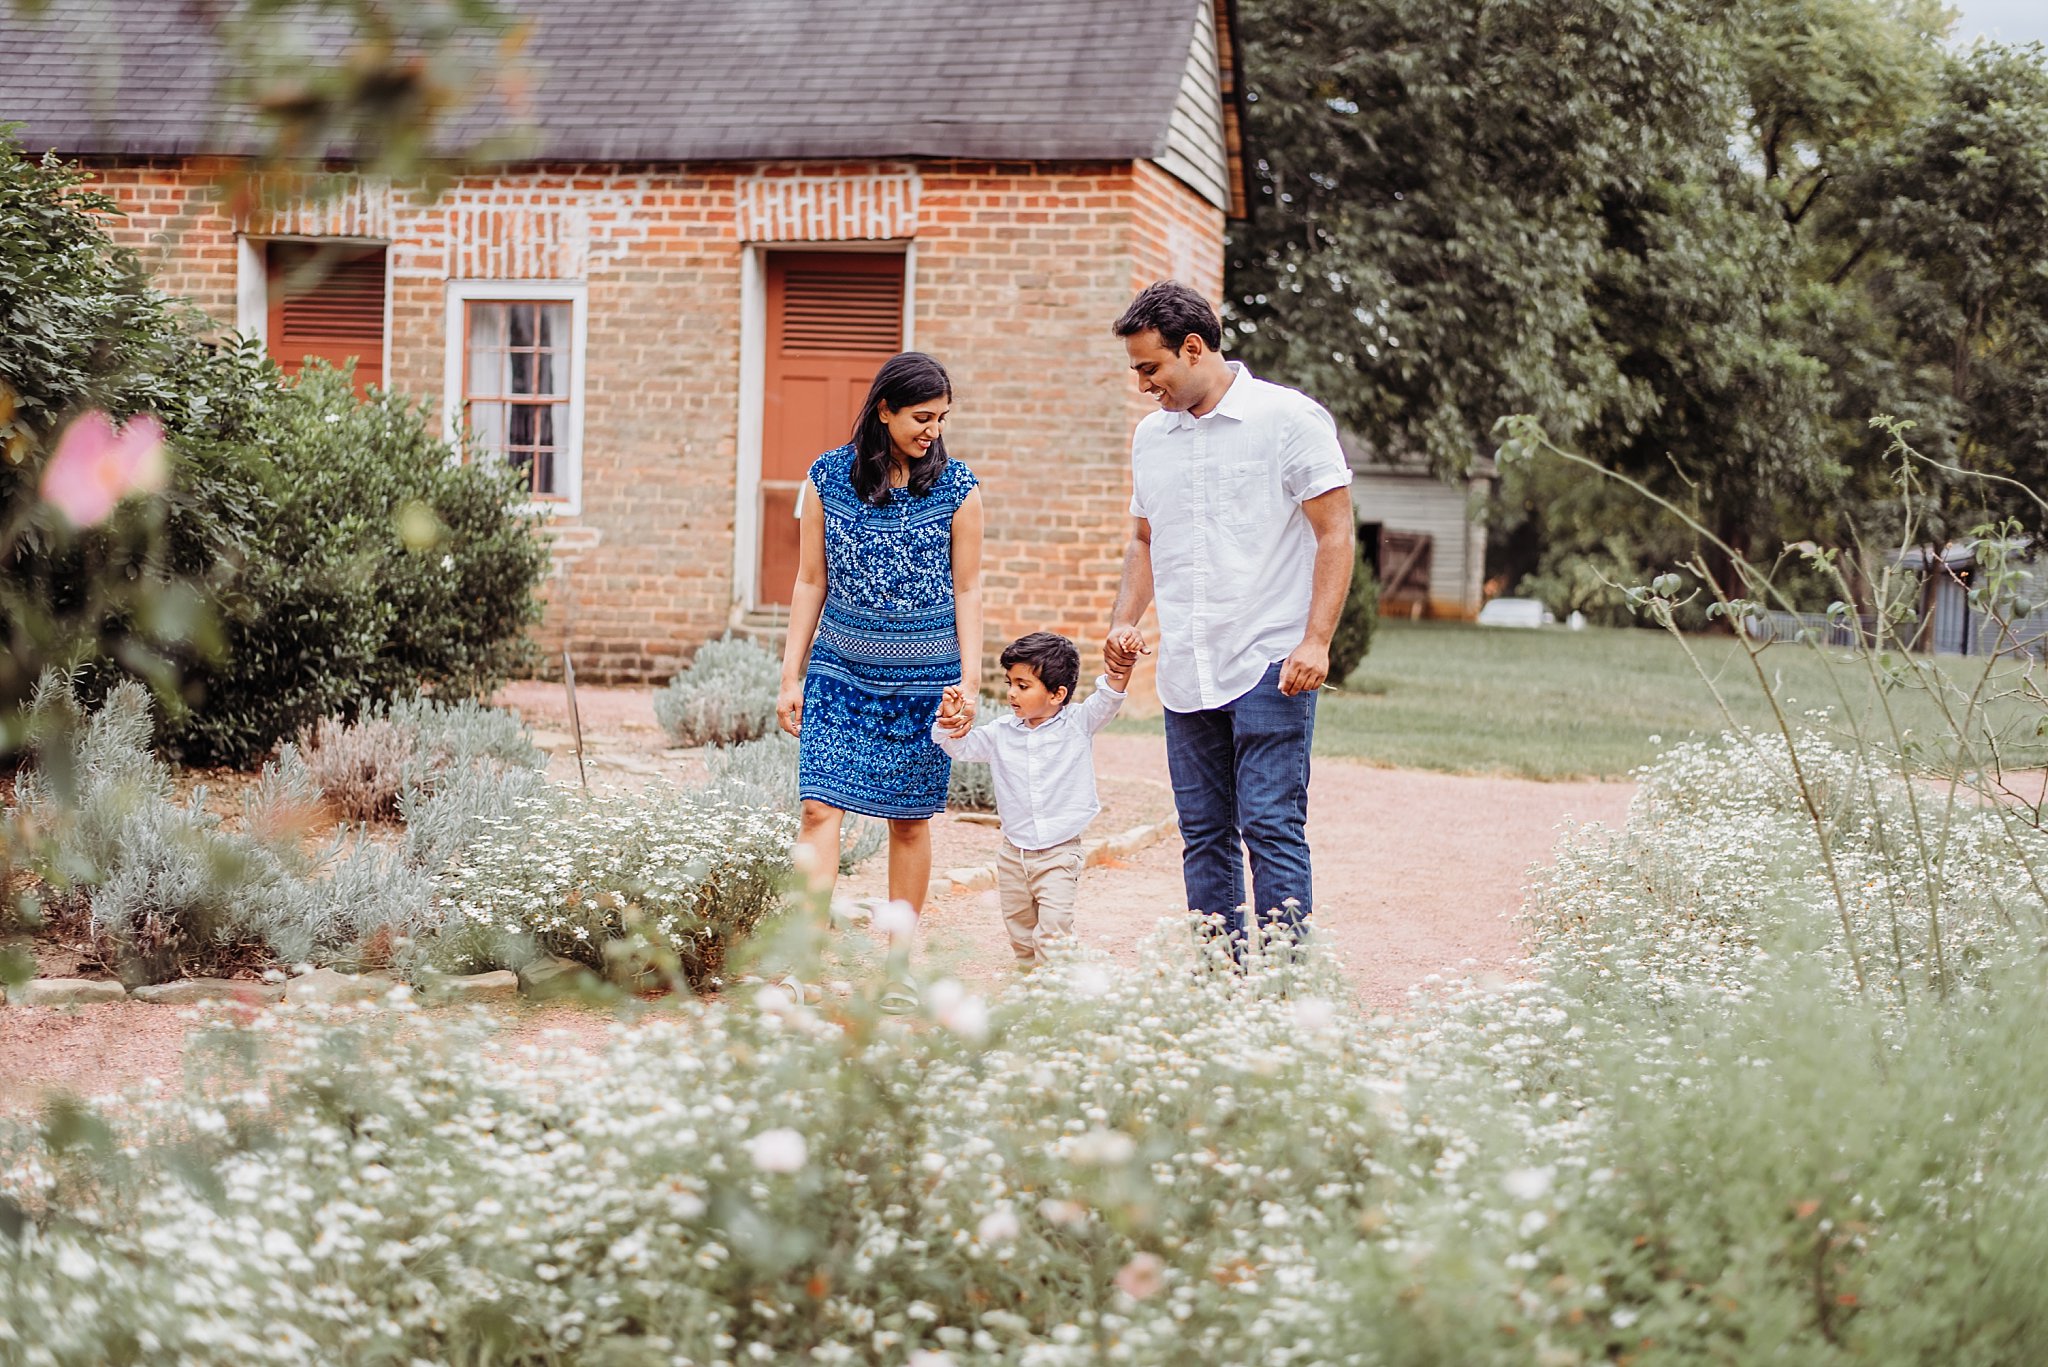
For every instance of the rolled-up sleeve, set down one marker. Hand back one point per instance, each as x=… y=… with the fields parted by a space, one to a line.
x=1311 y=458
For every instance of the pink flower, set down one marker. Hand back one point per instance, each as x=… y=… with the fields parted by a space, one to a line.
x=96 y=466
x=1142 y=1276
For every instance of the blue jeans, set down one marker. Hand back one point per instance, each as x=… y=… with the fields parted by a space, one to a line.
x=1240 y=783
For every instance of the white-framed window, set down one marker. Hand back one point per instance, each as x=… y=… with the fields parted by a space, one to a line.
x=516 y=351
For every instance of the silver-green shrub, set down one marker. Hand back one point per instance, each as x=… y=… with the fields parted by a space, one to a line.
x=160 y=886
x=364 y=766
x=725 y=696
x=972 y=787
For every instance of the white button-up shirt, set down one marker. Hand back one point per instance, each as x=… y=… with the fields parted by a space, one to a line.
x=1045 y=774
x=1233 y=554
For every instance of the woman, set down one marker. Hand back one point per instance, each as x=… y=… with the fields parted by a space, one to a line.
x=887 y=613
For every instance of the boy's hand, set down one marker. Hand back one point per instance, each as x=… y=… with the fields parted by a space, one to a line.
x=953 y=713
x=1119 y=679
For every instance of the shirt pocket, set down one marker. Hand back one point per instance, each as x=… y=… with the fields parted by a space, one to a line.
x=1239 y=496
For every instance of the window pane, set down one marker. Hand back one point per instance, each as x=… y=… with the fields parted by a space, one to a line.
x=554 y=325
x=544 y=432
x=521 y=431
x=522 y=461
x=554 y=375
x=486 y=348
x=487 y=420
x=522 y=372
x=544 y=472
x=522 y=324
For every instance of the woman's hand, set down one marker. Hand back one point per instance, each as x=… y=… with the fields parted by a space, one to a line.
x=789 y=707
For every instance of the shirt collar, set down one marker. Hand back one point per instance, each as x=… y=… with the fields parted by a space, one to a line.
x=1231 y=405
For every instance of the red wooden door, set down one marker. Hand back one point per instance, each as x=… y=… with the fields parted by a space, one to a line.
x=327 y=302
x=833 y=318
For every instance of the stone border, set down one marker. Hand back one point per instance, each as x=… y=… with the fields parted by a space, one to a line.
x=320 y=985
x=982 y=877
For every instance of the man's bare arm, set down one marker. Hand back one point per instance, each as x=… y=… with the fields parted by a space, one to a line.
x=1330 y=516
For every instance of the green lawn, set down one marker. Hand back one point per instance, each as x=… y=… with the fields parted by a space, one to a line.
x=1557 y=704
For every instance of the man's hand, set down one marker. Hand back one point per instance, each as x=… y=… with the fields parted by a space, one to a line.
x=956 y=712
x=1121 y=649
x=1305 y=670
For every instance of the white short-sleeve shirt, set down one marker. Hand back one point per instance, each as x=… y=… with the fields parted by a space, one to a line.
x=1045 y=774
x=1233 y=554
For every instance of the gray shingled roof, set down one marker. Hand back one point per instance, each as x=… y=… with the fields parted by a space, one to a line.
x=675 y=80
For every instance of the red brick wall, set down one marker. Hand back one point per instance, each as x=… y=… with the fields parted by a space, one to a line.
x=1019 y=271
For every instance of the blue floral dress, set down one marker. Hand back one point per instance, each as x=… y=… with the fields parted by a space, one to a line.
x=886 y=647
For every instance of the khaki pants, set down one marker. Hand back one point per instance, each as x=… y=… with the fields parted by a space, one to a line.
x=1036 y=889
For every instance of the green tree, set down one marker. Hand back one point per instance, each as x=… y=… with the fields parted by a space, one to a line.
x=1943 y=228
x=1467 y=208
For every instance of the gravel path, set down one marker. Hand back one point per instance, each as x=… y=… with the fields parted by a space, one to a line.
x=1416 y=874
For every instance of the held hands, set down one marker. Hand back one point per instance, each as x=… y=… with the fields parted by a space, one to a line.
x=1305 y=670
x=956 y=711
x=1120 y=652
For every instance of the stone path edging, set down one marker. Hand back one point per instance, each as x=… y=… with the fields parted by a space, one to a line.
x=1122 y=845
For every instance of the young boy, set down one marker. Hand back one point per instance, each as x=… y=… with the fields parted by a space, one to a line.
x=1043 y=759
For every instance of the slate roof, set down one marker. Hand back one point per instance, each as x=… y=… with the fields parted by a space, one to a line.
x=673 y=80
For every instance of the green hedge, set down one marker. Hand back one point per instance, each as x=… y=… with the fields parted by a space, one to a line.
x=311 y=553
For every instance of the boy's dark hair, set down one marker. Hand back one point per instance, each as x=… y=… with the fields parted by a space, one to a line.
x=1173 y=311
x=1053 y=658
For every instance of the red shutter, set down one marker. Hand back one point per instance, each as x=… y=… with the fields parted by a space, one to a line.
x=833 y=318
x=327 y=303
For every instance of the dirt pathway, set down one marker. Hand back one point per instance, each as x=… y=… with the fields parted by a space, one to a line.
x=1416 y=873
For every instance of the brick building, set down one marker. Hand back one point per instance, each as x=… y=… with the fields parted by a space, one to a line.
x=729 y=223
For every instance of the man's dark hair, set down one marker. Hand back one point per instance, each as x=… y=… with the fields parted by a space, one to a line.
x=1052 y=658
x=1174 y=311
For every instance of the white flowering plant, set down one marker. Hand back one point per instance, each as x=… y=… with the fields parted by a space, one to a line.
x=1685 y=1134
x=664 y=878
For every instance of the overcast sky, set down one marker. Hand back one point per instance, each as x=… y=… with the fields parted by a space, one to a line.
x=2006 y=21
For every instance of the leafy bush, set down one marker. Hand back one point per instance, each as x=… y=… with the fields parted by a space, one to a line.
x=681 y=874
x=311 y=551
x=1356 y=623
x=84 y=331
x=373 y=566
x=725 y=696
x=763 y=773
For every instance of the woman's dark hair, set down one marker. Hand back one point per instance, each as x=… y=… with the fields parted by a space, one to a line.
x=1174 y=311
x=1052 y=658
x=905 y=379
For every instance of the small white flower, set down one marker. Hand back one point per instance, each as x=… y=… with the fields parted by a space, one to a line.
x=1101 y=1148
x=999 y=1226
x=895 y=922
x=1527 y=1184
x=1089 y=981
x=448 y=562
x=1065 y=1214
x=964 y=1013
x=930 y=1357
x=1313 y=1015
x=780 y=1150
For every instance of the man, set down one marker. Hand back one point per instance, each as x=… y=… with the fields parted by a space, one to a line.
x=1242 y=532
